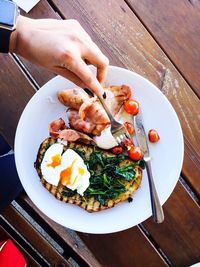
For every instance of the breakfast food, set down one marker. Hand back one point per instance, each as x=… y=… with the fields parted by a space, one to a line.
x=86 y=114
x=153 y=136
x=85 y=175
x=81 y=163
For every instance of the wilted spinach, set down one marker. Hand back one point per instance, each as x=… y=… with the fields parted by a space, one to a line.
x=107 y=180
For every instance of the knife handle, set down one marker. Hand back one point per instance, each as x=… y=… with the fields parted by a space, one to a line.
x=157 y=210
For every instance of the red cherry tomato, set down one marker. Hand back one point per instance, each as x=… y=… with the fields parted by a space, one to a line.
x=131 y=106
x=117 y=150
x=129 y=127
x=135 y=153
x=153 y=136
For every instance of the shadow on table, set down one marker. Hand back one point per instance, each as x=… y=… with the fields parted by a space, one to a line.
x=10 y=184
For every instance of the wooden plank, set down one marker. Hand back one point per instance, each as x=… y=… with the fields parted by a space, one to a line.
x=15 y=92
x=125 y=248
x=180 y=230
x=149 y=249
x=105 y=258
x=69 y=240
x=4 y=235
x=122 y=59
x=136 y=50
x=175 y=26
x=34 y=238
x=127 y=43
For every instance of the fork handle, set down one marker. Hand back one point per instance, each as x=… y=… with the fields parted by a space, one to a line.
x=101 y=100
x=110 y=116
x=157 y=210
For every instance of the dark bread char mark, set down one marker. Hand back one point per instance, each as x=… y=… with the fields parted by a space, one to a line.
x=90 y=205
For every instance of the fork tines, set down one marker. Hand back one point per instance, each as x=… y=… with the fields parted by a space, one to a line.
x=120 y=135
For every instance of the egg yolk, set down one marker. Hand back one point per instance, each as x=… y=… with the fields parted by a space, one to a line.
x=65 y=175
x=56 y=160
x=81 y=171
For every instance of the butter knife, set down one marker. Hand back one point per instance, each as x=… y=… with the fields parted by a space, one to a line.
x=141 y=138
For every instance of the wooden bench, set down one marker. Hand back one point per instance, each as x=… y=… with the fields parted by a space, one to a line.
x=138 y=35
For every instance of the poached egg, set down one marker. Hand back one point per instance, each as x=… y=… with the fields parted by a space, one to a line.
x=68 y=168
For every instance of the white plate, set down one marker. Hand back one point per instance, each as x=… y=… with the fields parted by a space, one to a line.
x=167 y=154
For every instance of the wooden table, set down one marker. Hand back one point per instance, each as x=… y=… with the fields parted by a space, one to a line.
x=160 y=40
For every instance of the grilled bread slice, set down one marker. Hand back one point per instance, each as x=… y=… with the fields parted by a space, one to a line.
x=91 y=203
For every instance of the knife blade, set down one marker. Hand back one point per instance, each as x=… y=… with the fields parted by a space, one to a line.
x=140 y=134
x=141 y=138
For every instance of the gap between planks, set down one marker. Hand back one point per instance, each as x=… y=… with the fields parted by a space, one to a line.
x=162 y=48
x=25 y=71
x=23 y=242
x=36 y=87
x=143 y=232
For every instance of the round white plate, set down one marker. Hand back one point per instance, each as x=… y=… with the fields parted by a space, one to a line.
x=167 y=154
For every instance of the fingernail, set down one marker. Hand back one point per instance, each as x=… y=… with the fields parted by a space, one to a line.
x=104 y=95
x=90 y=93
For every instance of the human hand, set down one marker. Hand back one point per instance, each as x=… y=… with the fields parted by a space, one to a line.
x=63 y=47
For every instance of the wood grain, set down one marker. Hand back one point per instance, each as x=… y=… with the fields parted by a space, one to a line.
x=4 y=235
x=34 y=238
x=175 y=26
x=15 y=92
x=123 y=249
x=108 y=258
x=180 y=230
x=69 y=240
x=136 y=50
x=127 y=43
x=16 y=86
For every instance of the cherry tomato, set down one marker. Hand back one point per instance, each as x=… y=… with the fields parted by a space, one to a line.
x=135 y=153
x=117 y=150
x=129 y=127
x=153 y=136
x=131 y=106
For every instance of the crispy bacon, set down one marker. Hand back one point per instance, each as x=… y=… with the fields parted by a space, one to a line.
x=58 y=129
x=71 y=135
x=56 y=126
x=116 y=96
x=85 y=126
x=86 y=114
x=91 y=110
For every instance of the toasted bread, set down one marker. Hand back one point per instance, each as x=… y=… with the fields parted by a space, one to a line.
x=91 y=203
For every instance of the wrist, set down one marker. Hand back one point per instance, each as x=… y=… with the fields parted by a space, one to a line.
x=13 y=46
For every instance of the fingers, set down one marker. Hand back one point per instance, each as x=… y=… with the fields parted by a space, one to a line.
x=70 y=76
x=83 y=72
x=98 y=59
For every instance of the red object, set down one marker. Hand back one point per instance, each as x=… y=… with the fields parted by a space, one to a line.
x=131 y=106
x=129 y=127
x=135 y=153
x=117 y=150
x=10 y=256
x=153 y=136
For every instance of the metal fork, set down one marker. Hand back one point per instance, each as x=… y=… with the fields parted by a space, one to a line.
x=118 y=130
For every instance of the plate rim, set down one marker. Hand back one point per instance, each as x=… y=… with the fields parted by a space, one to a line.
x=116 y=227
